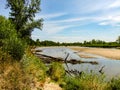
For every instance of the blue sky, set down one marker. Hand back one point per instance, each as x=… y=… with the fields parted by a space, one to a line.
x=77 y=20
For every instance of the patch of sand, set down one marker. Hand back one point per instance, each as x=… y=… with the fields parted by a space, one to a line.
x=51 y=86
x=85 y=56
x=47 y=85
x=109 y=53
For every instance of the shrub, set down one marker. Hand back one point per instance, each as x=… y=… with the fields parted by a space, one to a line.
x=86 y=82
x=6 y=30
x=34 y=66
x=73 y=83
x=9 y=41
x=57 y=71
x=115 y=84
x=15 y=47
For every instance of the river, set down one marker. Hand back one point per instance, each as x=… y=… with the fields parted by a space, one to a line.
x=110 y=67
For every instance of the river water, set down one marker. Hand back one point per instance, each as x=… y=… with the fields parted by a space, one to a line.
x=111 y=68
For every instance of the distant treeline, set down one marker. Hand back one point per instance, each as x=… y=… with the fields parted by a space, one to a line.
x=92 y=43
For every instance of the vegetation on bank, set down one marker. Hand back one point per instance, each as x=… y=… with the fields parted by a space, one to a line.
x=92 y=43
x=21 y=70
x=31 y=73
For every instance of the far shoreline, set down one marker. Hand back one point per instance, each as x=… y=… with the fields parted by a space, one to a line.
x=105 y=52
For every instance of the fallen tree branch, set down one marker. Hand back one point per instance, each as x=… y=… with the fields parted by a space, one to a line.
x=72 y=61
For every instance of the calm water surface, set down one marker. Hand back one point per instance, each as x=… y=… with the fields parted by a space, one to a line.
x=111 y=67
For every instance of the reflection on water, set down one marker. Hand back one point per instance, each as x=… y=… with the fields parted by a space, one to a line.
x=59 y=52
x=111 y=69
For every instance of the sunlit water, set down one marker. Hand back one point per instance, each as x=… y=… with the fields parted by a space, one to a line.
x=111 y=67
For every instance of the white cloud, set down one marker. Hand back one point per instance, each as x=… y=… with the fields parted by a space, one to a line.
x=115 y=4
x=67 y=38
x=103 y=23
x=56 y=26
x=72 y=20
x=90 y=6
x=51 y=28
x=111 y=20
x=49 y=16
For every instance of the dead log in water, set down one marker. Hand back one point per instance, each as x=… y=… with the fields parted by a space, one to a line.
x=49 y=59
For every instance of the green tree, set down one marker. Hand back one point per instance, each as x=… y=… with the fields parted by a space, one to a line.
x=22 y=16
x=7 y=30
x=118 y=40
x=38 y=42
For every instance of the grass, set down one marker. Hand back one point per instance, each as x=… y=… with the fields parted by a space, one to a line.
x=86 y=81
x=12 y=76
x=23 y=75
x=115 y=84
x=34 y=66
x=57 y=73
x=31 y=73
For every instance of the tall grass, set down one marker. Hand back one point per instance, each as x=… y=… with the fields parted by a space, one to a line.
x=12 y=76
x=23 y=75
x=57 y=72
x=34 y=66
x=115 y=84
x=30 y=70
x=87 y=81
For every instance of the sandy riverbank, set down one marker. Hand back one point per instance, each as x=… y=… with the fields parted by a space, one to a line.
x=109 y=53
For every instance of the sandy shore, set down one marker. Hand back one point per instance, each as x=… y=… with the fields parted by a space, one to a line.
x=109 y=53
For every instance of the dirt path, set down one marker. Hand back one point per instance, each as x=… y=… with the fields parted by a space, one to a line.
x=47 y=85
x=109 y=53
x=50 y=85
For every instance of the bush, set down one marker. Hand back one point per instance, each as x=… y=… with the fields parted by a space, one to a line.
x=57 y=71
x=115 y=84
x=73 y=84
x=86 y=82
x=6 y=30
x=15 y=47
x=9 y=41
x=34 y=66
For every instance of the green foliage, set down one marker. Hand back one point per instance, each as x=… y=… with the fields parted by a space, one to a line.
x=99 y=43
x=56 y=71
x=115 y=84
x=4 y=56
x=118 y=40
x=86 y=82
x=34 y=66
x=10 y=43
x=22 y=16
x=15 y=47
x=73 y=84
x=6 y=30
x=92 y=43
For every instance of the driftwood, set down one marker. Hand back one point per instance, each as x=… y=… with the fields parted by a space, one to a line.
x=74 y=72
x=101 y=70
x=49 y=59
x=72 y=61
x=67 y=65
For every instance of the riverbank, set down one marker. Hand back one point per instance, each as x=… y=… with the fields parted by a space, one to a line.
x=108 y=53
